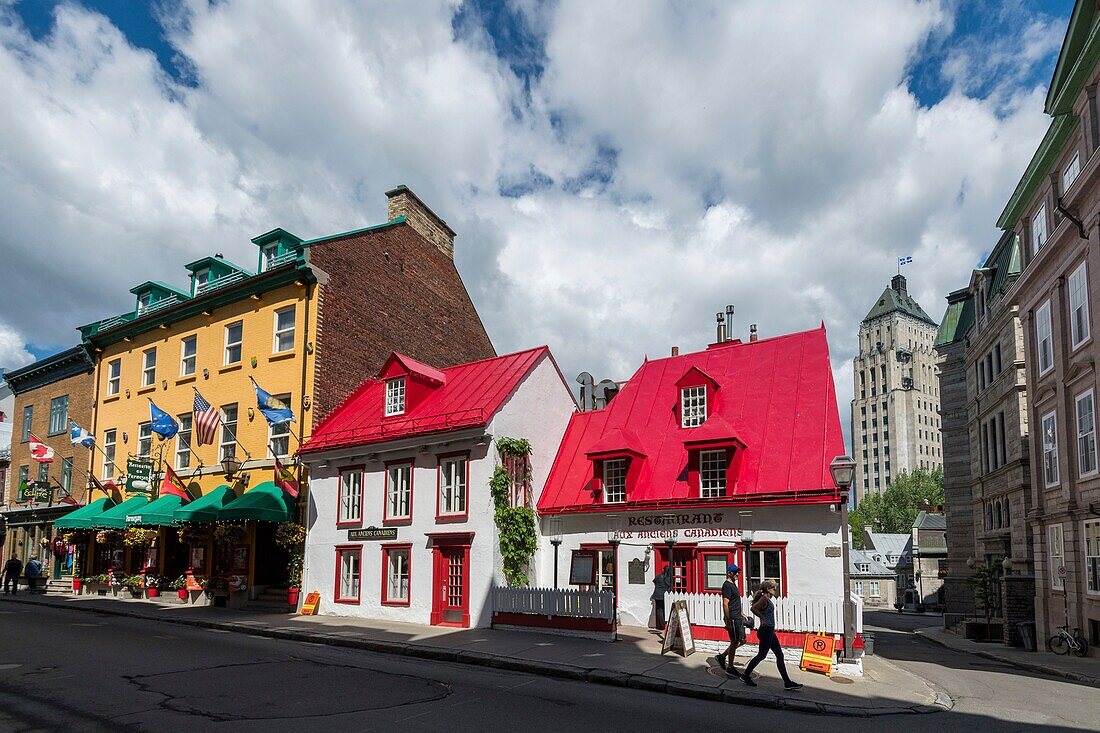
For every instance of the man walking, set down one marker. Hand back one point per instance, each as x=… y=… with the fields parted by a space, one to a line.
x=661 y=585
x=733 y=615
x=34 y=571
x=12 y=570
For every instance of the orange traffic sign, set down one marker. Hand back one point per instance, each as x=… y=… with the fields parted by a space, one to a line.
x=817 y=654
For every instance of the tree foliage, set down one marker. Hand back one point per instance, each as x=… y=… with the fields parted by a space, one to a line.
x=895 y=509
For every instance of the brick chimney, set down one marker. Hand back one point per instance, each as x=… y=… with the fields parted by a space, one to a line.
x=403 y=202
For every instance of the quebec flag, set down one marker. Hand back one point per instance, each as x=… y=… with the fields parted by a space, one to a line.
x=80 y=436
x=904 y=261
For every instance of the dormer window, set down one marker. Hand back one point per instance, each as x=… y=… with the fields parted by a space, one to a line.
x=201 y=278
x=712 y=473
x=693 y=406
x=614 y=481
x=268 y=254
x=395 y=396
x=144 y=301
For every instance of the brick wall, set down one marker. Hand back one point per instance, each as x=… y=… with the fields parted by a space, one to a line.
x=1017 y=604
x=389 y=289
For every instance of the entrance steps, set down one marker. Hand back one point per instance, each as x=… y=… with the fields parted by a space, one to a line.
x=269 y=600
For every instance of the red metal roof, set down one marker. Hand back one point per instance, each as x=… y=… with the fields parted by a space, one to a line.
x=469 y=397
x=776 y=397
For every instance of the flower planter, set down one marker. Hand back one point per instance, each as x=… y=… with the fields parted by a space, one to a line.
x=182 y=593
x=152 y=592
x=292 y=597
x=78 y=585
x=221 y=601
x=136 y=592
x=100 y=589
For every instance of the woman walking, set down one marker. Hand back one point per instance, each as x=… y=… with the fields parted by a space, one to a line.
x=764 y=608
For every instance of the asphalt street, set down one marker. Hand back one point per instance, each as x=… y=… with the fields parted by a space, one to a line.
x=62 y=670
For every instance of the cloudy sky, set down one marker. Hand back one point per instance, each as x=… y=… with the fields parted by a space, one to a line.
x=617 y=172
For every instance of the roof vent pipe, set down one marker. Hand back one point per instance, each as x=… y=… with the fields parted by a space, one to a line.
x=675 y=350
x=729 y=323
x=721 y=318
x=752 y=333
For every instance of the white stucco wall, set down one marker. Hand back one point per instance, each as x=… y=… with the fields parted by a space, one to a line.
x=807 y=530
x=538 y=410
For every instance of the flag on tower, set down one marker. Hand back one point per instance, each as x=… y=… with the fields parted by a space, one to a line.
x=80 y=436
x=207 y=420
x=40 y=451
x=904 y=260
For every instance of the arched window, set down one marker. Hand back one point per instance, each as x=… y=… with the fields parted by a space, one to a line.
x=1004 y=514
x=997 y=514
x=989 y=516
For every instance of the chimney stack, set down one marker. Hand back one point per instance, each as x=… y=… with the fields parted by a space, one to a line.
x=897 y=284
x=675 y=350
x=729 y=323
x=752 y=333
x=403 y=202
x=721 y=318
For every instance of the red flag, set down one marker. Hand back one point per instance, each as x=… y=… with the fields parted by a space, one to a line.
x=172 y=485
x=284 y=479
x=40 y=451
x=69 y=500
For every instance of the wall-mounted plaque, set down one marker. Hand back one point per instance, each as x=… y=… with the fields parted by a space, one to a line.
x=635 y=570
x=832 y=551
x=373 y=533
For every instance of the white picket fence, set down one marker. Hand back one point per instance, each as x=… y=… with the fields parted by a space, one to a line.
x=801 y=614
x=555 y=602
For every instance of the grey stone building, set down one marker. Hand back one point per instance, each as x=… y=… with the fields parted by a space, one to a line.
x=895 y=405
x=872 y=580
x=987 y=473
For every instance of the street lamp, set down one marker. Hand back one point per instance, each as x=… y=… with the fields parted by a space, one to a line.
x=555 y=540
x=744 y=519
x=843 y=469
x=230 y=465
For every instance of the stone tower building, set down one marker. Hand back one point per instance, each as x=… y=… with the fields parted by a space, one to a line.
x=896 y=401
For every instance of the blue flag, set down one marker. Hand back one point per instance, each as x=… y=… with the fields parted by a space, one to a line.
x=275 y=411
x=161 y=423
x=80 y=436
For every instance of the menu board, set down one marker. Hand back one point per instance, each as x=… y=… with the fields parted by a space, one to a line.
x=582 y=568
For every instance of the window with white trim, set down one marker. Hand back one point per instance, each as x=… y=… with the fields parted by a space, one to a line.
x=873 y=587
x=183 y=442
x=1071 y=171
x=234 y=338
x=396 y=562
x=149 y=367
x=859 y=588
x=199 y=281
x=28 y=422
x=1050 y=449
x=284 y=330
x=278 y=436
x=614 y=481
x=712 y=473
x=1057 y=553
x=1086 y=433
x=395 y=396
x=1044 y=341
x=114 y=376
x=268 y=254
x=399 y=492
x=693 y=406
x=351 y=497
x=228 y=442
x=188 y=349
x=1079 y=327
x=145 y=439
x=109 y=442
x=452 y=485
x=349 y=561
x=1092 y=554
x=1039 y=229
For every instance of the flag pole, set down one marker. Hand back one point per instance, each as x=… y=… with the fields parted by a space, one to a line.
x=232 y=433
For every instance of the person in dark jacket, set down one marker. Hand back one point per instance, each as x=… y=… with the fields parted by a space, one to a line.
x=661 y=585
x=12 y=570
x=733 y=615
x=34 y=572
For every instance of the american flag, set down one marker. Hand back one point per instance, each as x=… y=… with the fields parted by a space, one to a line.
x=207 y=421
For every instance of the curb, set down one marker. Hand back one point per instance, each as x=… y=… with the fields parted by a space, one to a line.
x=1029 y=666
x=600 y=676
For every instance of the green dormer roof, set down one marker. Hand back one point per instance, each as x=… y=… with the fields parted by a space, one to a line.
x=1075 y=60
x=278 y=234
x=158 y=288
x=1005 y=263
x=896 y=298
x=216 y=263
x=958 y=319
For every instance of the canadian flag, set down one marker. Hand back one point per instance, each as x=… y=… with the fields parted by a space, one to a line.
x=40 y=451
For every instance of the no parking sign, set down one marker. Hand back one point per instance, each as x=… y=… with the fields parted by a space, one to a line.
x=817 y=654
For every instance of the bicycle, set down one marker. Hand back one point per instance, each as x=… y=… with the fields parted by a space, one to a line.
x=1063 y=642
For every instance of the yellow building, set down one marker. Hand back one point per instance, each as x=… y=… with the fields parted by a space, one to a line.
x=312 y=320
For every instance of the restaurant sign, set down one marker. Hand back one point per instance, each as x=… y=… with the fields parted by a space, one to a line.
x=676 y=526
x=34 y=491
x=139 y=475
x=373 y=533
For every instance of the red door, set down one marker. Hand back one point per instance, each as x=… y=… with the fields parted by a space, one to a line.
x=451 y=583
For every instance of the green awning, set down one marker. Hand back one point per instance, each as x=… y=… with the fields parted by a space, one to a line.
x=115 y=517
x=206 y=507
x=266 y=502
x=81 y=518
x=158 y=513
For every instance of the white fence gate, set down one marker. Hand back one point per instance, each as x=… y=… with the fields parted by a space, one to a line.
x=799 y=614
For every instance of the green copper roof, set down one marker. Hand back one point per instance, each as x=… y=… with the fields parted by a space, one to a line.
x=1006 y=265
x=958 y=319
x=1075 y=60
x=896 y=298
x=1048 y=152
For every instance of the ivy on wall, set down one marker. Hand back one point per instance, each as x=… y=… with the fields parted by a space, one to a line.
x=515 y=524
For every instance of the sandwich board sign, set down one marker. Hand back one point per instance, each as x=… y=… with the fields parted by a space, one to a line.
x=309 y=607
x=817 y=653
x=678 y=631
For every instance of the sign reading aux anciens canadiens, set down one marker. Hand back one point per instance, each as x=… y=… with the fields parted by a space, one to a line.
x=687 y=525
x=373 y=533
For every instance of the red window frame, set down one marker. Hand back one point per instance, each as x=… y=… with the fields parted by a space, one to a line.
x=387 y=520
x=785 y=579
x=384 y=595
x=340 y=521
x=596 y=547
x=440 y=517
x=695 y=565
x=336 y=597
x=734 y=453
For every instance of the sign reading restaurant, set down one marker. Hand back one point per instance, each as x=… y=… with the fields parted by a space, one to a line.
x=687 y=525
x=373 y=533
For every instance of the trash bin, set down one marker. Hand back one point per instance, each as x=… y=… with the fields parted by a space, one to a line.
x=1027 y=635
x=869 y=643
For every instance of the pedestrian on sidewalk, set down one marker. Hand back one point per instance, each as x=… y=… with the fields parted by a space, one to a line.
x=763 y=607
x=12 y=570
x=34 y=571
x=734 y=616
x=661 y=584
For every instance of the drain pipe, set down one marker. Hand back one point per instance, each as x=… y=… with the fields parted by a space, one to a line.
x=1065 y=212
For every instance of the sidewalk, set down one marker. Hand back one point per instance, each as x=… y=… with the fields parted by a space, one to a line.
x=1085 y=669
x=633 y=661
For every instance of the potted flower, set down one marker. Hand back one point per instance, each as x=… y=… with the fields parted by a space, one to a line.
x=292 y=536
x=218 y=589
x=78 y=583
x=152 y=585
x=133 y=583
x=180 y=586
